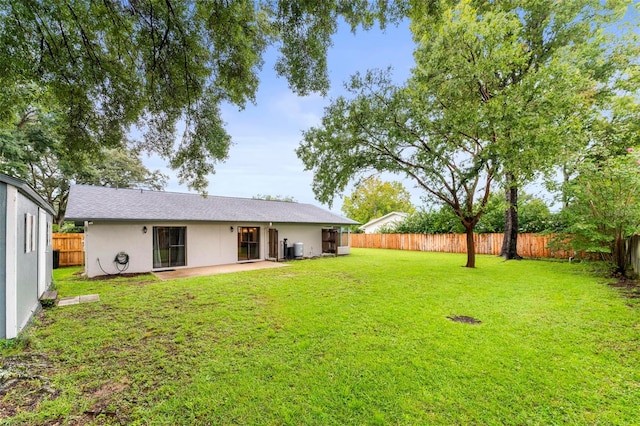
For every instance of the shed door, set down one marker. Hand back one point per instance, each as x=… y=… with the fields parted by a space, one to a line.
x=42 y=252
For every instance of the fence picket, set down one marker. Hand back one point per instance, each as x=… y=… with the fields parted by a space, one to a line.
x=71 y=247
x=529 y=245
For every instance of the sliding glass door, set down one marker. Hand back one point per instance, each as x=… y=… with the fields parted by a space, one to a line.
x=169 y=246
x=248 y=243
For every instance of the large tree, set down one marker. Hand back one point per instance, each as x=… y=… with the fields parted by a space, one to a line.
x=474 y=110
x=538 y=66
x=32 y=146
x=115 y=64
x=372 y=198
x=604 y=207
x=600 y=193
x=402 y=130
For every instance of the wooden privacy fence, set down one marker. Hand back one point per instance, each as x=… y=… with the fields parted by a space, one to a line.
x=529 y=245
x=71 y=247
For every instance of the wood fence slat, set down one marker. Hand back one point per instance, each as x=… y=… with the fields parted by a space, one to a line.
x=529 y=245
x=71 y=247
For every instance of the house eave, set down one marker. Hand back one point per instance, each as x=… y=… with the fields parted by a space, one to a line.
x=81 y=221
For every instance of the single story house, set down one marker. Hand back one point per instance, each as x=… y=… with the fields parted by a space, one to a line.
x=141 y=231
x=26 y=253
x=374 y=225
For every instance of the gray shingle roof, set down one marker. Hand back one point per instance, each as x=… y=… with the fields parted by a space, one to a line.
x=102 y=203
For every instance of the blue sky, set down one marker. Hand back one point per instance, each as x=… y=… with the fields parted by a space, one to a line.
x=262 y=159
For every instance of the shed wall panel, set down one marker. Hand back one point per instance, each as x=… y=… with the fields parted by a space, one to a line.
x=27 y=264
x=3 y=259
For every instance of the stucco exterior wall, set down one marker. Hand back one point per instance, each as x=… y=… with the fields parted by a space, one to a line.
x=212 y=244
x=309 y=235
x=207 y=244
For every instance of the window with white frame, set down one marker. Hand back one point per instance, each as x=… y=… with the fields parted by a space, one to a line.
x=49 y=234
x=29 y=233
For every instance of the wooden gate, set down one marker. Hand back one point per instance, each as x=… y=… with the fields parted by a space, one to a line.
x=71 y=248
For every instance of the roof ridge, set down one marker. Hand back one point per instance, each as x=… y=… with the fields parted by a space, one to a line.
x=188 y=193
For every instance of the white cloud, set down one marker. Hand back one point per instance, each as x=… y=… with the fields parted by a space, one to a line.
x=300 y=112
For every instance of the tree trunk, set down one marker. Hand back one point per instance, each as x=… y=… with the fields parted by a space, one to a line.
x=61 y=210
x=471 y=248
x=510 y=241
x=620 y=254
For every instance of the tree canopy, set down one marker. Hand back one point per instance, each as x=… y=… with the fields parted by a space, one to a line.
x=115 y=65
x=534 y=71
x=604 y=207
x=372 y=198
x=390 y=128
x=499 y=88
x=33 y=147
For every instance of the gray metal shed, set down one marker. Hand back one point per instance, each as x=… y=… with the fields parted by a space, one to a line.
x=26 y=253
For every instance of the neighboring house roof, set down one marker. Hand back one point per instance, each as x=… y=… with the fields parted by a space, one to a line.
x=102 y=203
x=27 y=191
x=389 y=217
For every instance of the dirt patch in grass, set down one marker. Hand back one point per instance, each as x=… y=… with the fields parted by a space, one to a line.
x=628 y=288
x=24 y=383
x=106 y=398
x=464 y=319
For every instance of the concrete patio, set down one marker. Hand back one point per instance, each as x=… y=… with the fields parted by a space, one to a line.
x=219 y=269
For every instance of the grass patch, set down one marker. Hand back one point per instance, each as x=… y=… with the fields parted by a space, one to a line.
x=362 y=339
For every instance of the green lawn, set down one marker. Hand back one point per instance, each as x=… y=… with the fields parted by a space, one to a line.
x=361 y=339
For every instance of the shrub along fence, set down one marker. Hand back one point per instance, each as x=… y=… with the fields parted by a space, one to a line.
x=71 y=247
x=529 y=245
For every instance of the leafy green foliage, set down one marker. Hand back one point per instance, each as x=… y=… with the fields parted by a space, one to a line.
x=120 y=169
x=372 y=198
x=507 y=62
x=286 y=198
x=28 y=128
x=440 y=221
x=68 y=228
x=115 y=65
x=482 y=101
x=33 y=146
x=604 y=207
x=534 y=216
x=389 y=128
